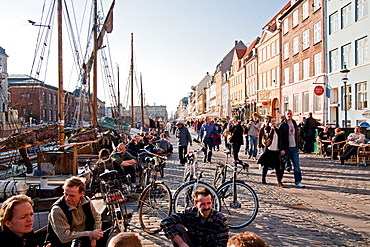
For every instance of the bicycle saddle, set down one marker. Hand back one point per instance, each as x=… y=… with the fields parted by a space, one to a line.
x=109 y=174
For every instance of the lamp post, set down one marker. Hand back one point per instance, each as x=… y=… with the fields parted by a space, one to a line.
x=344 y=73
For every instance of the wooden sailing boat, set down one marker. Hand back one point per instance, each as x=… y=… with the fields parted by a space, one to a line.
x=64 y=160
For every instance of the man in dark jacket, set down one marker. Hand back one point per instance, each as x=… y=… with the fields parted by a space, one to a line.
x=310 y=126
x=237 y=138
x=288 y=142
x=184 y=138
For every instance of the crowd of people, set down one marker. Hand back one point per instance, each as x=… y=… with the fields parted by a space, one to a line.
x=73 y=217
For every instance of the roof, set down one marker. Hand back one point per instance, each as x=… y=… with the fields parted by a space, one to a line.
x=14 y=78
x=2 y=51
x=251 y=46
x=226 y=62
x=271 y=25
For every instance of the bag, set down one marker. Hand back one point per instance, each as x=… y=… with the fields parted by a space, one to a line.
x=266 y=141
x=216 y=137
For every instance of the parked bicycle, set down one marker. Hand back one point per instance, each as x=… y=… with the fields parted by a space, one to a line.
x=239 y=202
x=183 y=196
x=155 y=202
x=114 y=192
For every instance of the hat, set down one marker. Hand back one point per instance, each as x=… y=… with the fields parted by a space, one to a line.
x=179 y=122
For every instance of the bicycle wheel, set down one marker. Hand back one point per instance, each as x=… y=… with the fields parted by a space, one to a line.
x=242 y=210
x=155 y=204
x=183 y=197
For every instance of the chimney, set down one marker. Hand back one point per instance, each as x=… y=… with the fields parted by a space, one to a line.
x=236 y=42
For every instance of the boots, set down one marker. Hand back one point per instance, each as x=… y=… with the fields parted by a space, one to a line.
x=264 y=173
x=279 y=178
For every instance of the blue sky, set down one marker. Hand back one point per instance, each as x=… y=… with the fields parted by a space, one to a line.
x=175 y=42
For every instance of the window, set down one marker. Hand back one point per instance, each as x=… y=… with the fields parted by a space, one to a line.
x=346 y=13
x=273 y=51
x=316 y=5
x=333 y=56
x=295 y=45
x=349 y=97
x=317 y=102
x=286 y=50
x=277 y=44
x=347 y=55
x=361 y=51
x=334 y=99
x=361 y=9
x=295 y=103
x=50 y=99
x=285 y=26
x=305 y=10
x=333 y=23
x=317 y=32
x=306 y=102
x=296 y=72
x=286 y=103
x=306 y=68
x=361 y=93
x=295 y=18
x=306 y=39
x=44 y=97
x=286 y=75
x=317 y=61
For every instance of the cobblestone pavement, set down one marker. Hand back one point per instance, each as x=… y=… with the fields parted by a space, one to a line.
x=333 y=209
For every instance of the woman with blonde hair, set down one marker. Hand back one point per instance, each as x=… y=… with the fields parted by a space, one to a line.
x=16 y=222
x=125 y=239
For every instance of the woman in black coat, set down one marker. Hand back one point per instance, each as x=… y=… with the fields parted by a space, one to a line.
x=16 y=222
x=237 y=138
x=271 y=156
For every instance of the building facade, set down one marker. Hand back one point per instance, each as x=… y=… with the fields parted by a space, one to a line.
x=347 y=44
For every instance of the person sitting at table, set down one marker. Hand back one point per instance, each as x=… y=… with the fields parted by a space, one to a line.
x=324 y=137
x=339 y=136
x=354 y=140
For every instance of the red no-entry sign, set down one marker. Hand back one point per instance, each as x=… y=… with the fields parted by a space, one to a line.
x=319 y=90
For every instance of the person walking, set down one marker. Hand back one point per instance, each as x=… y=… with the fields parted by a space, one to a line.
x=184 y=138
x=226 y=132
x=271 y=156
x=236 y=140
x=310 y=125
x=254 y=126
x=245 y=133
x=288 y=145
x=205 y=135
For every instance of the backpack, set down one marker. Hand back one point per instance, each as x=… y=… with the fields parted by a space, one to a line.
x=216 y=137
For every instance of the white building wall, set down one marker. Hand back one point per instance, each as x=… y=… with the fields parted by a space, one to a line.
x=357 y=29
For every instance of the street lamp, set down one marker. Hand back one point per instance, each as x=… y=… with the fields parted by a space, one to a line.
x=344 y=73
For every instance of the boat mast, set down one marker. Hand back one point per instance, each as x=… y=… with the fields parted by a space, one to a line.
x=118 y=94
x=141 y=101
x=132 y=80
x=60 y=74
x=95 y=80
